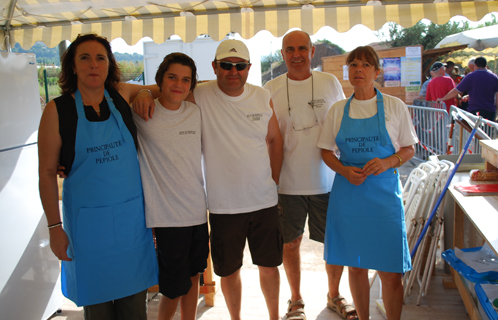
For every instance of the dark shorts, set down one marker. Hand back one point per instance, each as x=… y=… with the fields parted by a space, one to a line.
x=182 y=253
x=293 y=212
x=128 y=308
x=228 y=238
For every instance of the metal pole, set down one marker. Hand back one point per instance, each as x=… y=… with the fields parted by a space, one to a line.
x=8 y=23
x=443 y=193
x=46 y=84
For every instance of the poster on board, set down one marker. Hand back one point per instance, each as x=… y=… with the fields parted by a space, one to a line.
x=392 y=72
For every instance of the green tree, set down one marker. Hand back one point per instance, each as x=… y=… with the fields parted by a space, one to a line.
x=267 y=61
x=427 y=35
x=50 y=56
x=493 y=22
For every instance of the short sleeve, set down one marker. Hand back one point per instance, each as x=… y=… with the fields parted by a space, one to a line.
x=331 y=127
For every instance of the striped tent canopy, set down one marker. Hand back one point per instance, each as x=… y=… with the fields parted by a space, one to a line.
x=51 y=21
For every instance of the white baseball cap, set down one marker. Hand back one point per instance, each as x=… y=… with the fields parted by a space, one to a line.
x=232 y=48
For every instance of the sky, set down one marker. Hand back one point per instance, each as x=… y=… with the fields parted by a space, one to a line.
x=359 y=35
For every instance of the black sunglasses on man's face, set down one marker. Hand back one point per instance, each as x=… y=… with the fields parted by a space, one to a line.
x=228 y=65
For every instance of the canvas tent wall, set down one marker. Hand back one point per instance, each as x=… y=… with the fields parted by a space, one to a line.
x=51 y=21
x=478 y=39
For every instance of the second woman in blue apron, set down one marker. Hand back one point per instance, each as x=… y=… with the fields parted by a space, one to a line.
x=365 y=228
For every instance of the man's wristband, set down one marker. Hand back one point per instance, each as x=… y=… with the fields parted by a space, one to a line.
x=54 y=225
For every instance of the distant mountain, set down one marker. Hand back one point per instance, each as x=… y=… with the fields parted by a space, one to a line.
x=44 y=54
x=135 y=57
x=50 y=56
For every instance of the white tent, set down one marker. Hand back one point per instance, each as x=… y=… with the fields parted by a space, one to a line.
x=478 y=39
x=51 y=21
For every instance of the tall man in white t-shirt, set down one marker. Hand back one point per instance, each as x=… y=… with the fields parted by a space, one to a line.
x=302 y=98
x=242 y=148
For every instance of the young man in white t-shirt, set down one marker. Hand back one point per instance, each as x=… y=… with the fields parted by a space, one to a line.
x=170 y=156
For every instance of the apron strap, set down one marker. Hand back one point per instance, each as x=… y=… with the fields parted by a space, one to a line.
x=125 y=133
x=382 y=118
x=119 y=119
x=380 y=115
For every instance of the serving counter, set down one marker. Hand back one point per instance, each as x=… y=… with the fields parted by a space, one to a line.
x=475 y=219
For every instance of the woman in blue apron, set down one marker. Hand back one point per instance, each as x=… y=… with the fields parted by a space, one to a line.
x=373 y=135
x=108 y=256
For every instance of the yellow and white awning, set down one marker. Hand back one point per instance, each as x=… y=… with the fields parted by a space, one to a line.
x=51 y=21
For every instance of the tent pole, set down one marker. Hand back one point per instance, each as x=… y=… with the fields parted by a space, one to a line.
x=10 y=14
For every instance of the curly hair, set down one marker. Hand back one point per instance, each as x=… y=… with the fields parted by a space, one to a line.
x=68 y=79
x=180 y=58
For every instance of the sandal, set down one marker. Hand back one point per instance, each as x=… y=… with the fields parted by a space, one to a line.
x=297 y=314
x=342 y=307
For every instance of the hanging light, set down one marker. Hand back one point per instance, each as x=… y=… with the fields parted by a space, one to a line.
x=186 y=14
x=374 y=3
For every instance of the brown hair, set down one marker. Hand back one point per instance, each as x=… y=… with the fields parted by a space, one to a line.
x=365 y=53
x=68 y=79
x=180 y=58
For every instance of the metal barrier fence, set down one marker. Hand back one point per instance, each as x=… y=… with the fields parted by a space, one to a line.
x=439 y=134
x=431 y=124
x=459 y=135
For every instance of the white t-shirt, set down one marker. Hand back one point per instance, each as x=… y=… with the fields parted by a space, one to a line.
x=170 y=156
x=237 y=162
x=398 y=121
x=303 y=170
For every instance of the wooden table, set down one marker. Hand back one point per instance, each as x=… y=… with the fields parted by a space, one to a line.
x=482 y=213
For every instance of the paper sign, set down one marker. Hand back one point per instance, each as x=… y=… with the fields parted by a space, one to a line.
x=412 y=89
x=410 y=71
x=413 y=52
x=411 y=95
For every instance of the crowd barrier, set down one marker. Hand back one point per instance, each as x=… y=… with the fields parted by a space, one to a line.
x=460 y=135
x=431 y=123
x=439 y=133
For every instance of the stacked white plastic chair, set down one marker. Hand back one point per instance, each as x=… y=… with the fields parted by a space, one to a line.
x=418 y=221
x=421 y=192
x=438 y=173
x=437 y=225
x=412 y=195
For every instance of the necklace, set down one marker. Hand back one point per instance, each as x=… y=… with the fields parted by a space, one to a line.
x=311 y=104
x=98 y=111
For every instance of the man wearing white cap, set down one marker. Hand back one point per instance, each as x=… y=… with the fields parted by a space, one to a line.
x=243 y=153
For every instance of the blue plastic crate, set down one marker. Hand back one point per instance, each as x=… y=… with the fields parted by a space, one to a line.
x=466 y=271
x=484 y=303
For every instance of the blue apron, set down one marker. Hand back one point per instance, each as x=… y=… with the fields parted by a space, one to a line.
x=112 y=251
x=366 y=223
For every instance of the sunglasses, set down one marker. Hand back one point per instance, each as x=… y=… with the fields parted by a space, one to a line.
x=228 y=65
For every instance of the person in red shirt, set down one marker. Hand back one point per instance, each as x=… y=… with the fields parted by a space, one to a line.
x=440 y=85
